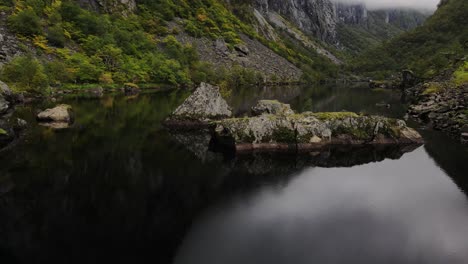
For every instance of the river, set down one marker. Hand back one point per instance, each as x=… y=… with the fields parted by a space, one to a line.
x=117 y=187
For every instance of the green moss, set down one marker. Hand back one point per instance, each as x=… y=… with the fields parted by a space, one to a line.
x=432 y=87
x=284 y=135
x=460 y=76
x=334 y=115
x=132 y=85
x=3 y=132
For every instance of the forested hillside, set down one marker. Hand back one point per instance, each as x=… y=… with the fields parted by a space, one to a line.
x=114 y=42
x=73 y=43
x=437 y=46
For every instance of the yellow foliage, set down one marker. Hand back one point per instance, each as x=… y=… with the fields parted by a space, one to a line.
x=461 y=75
x=202 y=17
x=41 y=42
x=106 y=78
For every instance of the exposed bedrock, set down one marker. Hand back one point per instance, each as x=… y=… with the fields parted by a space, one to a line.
x=274 y=126
x=286 y=131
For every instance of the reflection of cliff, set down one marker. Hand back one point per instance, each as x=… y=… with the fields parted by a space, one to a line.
x=451 y=157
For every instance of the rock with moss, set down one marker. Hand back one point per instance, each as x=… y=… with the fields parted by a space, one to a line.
x=4 y=105
x=59 y=117
x=199 y=109
x=443 y=105
x=309 y=131
x=273 y=107
x=131 y=89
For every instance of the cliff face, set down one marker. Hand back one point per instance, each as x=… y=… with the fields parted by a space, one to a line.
x=338 y=24
x=314 y=17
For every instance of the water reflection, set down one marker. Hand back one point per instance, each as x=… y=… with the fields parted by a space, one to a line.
x=402 y=211
x=117 y=187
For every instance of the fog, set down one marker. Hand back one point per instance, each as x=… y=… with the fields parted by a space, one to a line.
x=383 y=4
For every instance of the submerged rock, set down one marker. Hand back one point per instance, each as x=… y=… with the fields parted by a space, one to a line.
x=309 y=131
x=58 y=117
x=204 y=105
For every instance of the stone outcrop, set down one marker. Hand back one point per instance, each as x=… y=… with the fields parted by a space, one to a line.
x=58 y=117
x=442 y=105
x=272 y=107
x=200 y=108
x=311 y=131
x=275 y=127
x=9 y=44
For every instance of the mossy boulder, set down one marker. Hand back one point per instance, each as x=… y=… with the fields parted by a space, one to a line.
x=308 y=131
x=272 y=107
x=199 y=109
x=131 y=89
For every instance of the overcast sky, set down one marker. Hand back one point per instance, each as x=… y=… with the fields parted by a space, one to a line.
x=378 y=4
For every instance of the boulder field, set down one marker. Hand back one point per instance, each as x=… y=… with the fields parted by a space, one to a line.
x=274 y=126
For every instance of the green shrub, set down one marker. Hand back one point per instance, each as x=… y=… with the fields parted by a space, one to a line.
x=26 y=73
x=56 y=36
x=25 y=22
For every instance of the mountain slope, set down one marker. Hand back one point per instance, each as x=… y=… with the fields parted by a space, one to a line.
x=145 y=41
x=428 y=50
x=360 y=29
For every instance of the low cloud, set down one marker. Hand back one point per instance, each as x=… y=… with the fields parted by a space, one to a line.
x=384 y=4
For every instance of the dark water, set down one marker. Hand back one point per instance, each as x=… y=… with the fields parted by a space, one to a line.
x=119 y=188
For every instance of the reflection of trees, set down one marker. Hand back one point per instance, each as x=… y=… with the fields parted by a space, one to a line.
x=113 y=188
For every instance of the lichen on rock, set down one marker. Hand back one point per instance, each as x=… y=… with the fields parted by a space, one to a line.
x=273 y=107
x=204 y=105
x=59 y=117
x=309 y=130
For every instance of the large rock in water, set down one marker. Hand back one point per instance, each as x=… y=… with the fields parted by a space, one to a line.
x=311 y=131
x=58 y=117
x=204 y=105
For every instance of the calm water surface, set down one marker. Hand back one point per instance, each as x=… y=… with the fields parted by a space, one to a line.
x=118 y=187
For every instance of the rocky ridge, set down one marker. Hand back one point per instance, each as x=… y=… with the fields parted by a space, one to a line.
x=442 y=106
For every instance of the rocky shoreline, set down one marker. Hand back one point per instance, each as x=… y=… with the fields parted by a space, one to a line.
x=274 y=126
x=442 y=106
x=10 y=128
